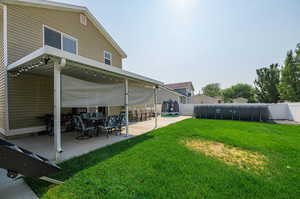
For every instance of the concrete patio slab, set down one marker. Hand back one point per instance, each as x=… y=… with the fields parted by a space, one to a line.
x=44 y=146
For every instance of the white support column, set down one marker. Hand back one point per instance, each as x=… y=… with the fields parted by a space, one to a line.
x=57 y=107
x=155 y=105
x=126 y=106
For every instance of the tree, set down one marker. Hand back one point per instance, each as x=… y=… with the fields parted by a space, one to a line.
x=290 y=77
x=212 y=90
x=239 y=90
x=227 y=95
x=267 y=83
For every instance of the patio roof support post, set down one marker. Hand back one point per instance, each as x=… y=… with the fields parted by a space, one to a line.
x=126 y=107
x=58 y=65
x=155 y=105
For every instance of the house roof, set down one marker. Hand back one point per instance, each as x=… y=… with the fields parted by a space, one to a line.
x=180 y=85
x=206 y=97
x=171 y=90
x=240 y=100
x=69 y=7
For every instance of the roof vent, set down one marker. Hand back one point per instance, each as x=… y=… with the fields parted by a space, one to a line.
x=83 y=19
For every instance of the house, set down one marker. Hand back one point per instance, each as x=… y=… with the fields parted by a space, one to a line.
x=204 y=99
x=184 y=88
x=240 y=100
x=166 y=94
x=58 y=59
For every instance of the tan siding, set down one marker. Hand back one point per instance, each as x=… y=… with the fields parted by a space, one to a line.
x=115 y=110
x=2 y=77
x=29 y=97
x=25 y=33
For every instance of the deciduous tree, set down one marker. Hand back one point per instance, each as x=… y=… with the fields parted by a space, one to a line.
x=267 y=83
x=212 y=90
x=239 y=90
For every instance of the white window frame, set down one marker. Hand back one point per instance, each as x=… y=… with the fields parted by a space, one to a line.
x=62 y=35
x=107 y=52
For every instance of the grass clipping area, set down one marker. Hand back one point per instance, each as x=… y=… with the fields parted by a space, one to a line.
x=232 y=156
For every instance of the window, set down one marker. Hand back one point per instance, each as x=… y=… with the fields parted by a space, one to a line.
x=52 y=38
x=69 y=45
x=60 y=40
x=107 y=58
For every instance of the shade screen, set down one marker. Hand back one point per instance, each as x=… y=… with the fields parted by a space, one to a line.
x=80 y=93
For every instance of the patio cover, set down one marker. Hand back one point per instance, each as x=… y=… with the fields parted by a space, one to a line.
x=80 y=93
x=72 y=92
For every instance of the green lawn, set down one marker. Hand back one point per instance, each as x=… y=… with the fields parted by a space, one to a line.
x=158 y=165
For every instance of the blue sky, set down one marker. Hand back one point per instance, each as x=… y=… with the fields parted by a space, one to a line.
x=202 y=41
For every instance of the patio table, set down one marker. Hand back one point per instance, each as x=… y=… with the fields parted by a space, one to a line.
x=96 y=120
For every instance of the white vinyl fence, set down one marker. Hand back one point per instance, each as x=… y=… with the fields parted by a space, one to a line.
x=283 y=111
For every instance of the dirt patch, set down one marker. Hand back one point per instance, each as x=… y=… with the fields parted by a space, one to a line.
x=229 y=155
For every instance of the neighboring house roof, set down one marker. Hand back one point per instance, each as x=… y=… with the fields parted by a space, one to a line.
x=69 y=7
x=180 y=85
x=204 y=99
x=172 y=91
x=240 y=100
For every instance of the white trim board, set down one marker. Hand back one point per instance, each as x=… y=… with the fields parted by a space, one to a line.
x=69 y=7
x=22 y=131
x=47 y=50
x=5 y=55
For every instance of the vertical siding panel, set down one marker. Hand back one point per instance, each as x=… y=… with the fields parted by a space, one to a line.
x=30 y=97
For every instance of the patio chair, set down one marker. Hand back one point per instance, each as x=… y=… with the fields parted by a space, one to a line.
x=86 y=131
x=108 y=125
x=116 y=122
x=130 y=116
x=98 y=114
x=121 y=122
x=145 y=115
x=133 y=116
x=150 y=114
x=137 y=115
x=141 y=116
x=84 y=116
x=90 y=115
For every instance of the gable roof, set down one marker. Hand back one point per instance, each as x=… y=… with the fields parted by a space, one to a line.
x=69 y=7
x=180 y=85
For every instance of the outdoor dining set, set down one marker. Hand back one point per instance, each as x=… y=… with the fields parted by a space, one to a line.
x=88 y=125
